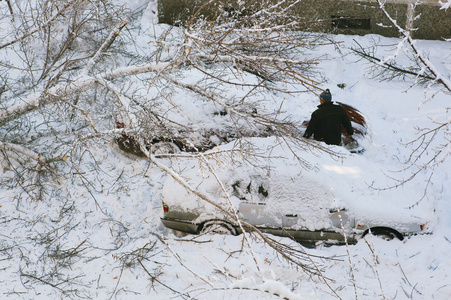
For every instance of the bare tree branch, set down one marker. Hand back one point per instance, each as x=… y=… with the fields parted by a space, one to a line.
x=40 y=27
x=420 y=56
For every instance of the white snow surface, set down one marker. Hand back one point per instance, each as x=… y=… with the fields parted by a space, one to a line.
x=119 y=224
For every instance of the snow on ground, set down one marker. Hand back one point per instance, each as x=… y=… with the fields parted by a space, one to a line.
x=126 y=252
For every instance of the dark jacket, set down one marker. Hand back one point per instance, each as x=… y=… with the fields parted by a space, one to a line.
x=325 y=124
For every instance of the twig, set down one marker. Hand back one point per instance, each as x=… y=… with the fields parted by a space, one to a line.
x=38 y=28
x=375 y=265
x=42 y=280
x=153 y=278
x=180 y=261
x=388 y=66
x=117 y=283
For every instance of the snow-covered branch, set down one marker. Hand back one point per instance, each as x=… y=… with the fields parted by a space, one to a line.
x=29 y=153
x=255 y=58
x=445 y=5
x=82 y=83
x=40 y=27
x=108 y=42
x=440 y=78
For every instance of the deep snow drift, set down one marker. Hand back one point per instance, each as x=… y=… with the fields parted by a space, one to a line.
x=126 y=253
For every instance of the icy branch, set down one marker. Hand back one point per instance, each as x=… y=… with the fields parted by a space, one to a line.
x=258 y=59
x=83 y=83
x=108 y=42
x=27 y=152
x=439 y=77
x=38 y=28
x=445 y=5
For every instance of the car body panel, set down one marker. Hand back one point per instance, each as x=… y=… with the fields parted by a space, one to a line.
x=261 y=215
x=180 y=225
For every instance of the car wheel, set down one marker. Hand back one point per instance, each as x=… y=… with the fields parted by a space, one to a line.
x=218 y=226
x=385 y=233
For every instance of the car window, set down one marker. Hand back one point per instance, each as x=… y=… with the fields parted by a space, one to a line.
x=252 y=189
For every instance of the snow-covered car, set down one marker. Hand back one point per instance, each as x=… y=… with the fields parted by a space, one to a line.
x=281 y=200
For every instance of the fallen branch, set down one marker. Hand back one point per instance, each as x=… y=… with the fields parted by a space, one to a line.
x=107 y=44
x=29 y=153
x=388 y=66
x=81 y=84
x=37 y=28
x=153 y=278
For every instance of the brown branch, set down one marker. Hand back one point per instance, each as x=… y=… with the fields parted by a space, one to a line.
x=10 y=8
x=154 y=278
x=388 y=66
x=29 y=153
x=42 y=280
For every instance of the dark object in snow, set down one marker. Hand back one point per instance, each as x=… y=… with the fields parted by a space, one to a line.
x=127 y=143
x=207 y=140
x=220 y=113
x=358 y=125
x=353 y=146
x=341 y=85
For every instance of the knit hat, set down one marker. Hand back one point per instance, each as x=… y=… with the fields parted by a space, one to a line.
x=326 y=96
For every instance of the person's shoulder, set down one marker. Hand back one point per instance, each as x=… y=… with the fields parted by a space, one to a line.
x=330 y=106
x=338 y=106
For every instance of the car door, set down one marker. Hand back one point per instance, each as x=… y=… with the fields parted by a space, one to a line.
x=295 y=225
x=256 y=214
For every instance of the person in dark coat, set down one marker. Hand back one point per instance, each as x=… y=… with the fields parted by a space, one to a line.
x=325 y=123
